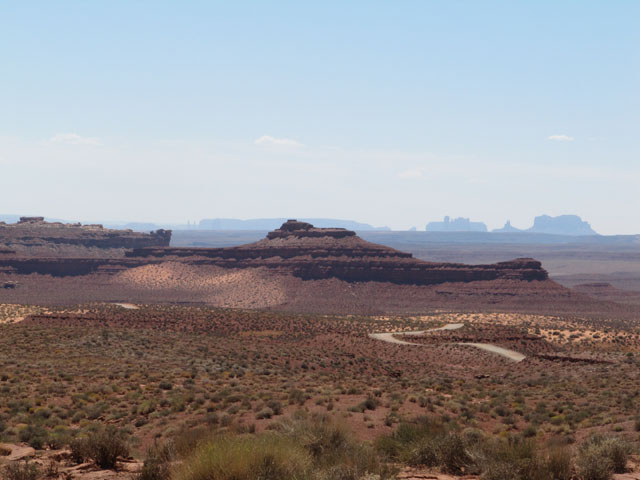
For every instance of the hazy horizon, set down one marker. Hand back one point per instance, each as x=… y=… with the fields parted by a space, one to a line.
x=392 y=114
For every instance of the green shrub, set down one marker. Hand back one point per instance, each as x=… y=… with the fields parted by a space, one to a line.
x=427 y=442
x=157 y=464
x=600 y=457
x=275 y=406
x=188 y=439
x=424 y=452
x=591 y=466
x=103 y=446
x=146 y=407
x=106 y=446
x=559 y=464
x=297 y=396
x=35 y=435
x=335 y=454
x=264 y=413
x=266 y=457
x=413 y=442
x=59 y=438
x=22 y=471
x=79 y=450
x=452 y=453
x=318 y=435
x=370 y=403
x=513 y=458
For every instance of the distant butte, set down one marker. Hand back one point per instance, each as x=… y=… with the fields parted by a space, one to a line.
x=33 y=236
x=296 y=267
x=307 y=252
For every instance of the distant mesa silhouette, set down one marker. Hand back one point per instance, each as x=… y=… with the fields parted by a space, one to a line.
x=562 y=225
x=273 y=223
x=456 y=225
x=508 y=228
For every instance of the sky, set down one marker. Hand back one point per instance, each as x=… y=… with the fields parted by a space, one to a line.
x=387 y=112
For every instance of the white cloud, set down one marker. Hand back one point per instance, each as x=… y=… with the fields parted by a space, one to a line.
x=280 y=142
x=74 y=139
x=561 y=138
x=411 y=173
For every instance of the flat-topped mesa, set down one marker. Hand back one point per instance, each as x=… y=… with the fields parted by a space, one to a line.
x=294 y=228
x=311 y=253
x=31 y=220
x=30 y=235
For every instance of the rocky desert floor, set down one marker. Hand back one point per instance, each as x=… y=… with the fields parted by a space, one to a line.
x=163 y=374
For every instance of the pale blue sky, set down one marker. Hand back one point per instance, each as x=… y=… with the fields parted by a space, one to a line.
x=392 y=113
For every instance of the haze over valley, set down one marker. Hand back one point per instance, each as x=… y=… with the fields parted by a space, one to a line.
x=319 y=240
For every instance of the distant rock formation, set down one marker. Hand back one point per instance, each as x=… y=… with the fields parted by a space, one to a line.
x=36 y=233
x=307 y=252
x=508 y=228
x=273 y=223
x=561 y=225
x=456 y=225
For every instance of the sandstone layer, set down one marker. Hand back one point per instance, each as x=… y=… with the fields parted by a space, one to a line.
x=32 y=236
x=318 y=253
x=296 y=268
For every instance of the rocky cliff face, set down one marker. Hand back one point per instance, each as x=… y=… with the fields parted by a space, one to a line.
x=296 y=248
x=31 y=235
x=317 y=253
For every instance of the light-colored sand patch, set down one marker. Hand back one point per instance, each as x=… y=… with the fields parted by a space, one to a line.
x=12 y=313
x=241 y=288
x=127 y=306
x=16 y=452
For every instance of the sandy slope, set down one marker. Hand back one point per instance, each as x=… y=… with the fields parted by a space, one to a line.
x=247 y=288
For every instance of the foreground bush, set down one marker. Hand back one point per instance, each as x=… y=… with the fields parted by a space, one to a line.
x=426 y=442
x=157 y=464
x=246 y=457
x=35 y=435
x=21 y=471
x=104 y=447
x=600 y=457
x=303 y=447
x=334 y=452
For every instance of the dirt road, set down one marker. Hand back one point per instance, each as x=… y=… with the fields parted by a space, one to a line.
x=389 y=337
x=504 y=352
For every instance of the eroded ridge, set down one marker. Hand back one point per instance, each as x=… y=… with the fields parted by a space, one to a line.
x=307 y=252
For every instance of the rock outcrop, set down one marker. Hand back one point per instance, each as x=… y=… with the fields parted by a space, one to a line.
x=307 y=252
x=34 y=234
x=508 y=228
x=296 y=248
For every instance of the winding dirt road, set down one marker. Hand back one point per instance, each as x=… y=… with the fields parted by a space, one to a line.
x=127 y=306
x=389 y=337
x=504 y=352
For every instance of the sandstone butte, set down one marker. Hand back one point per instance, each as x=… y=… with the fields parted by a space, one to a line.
x=317 y=253
x=296 y=248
